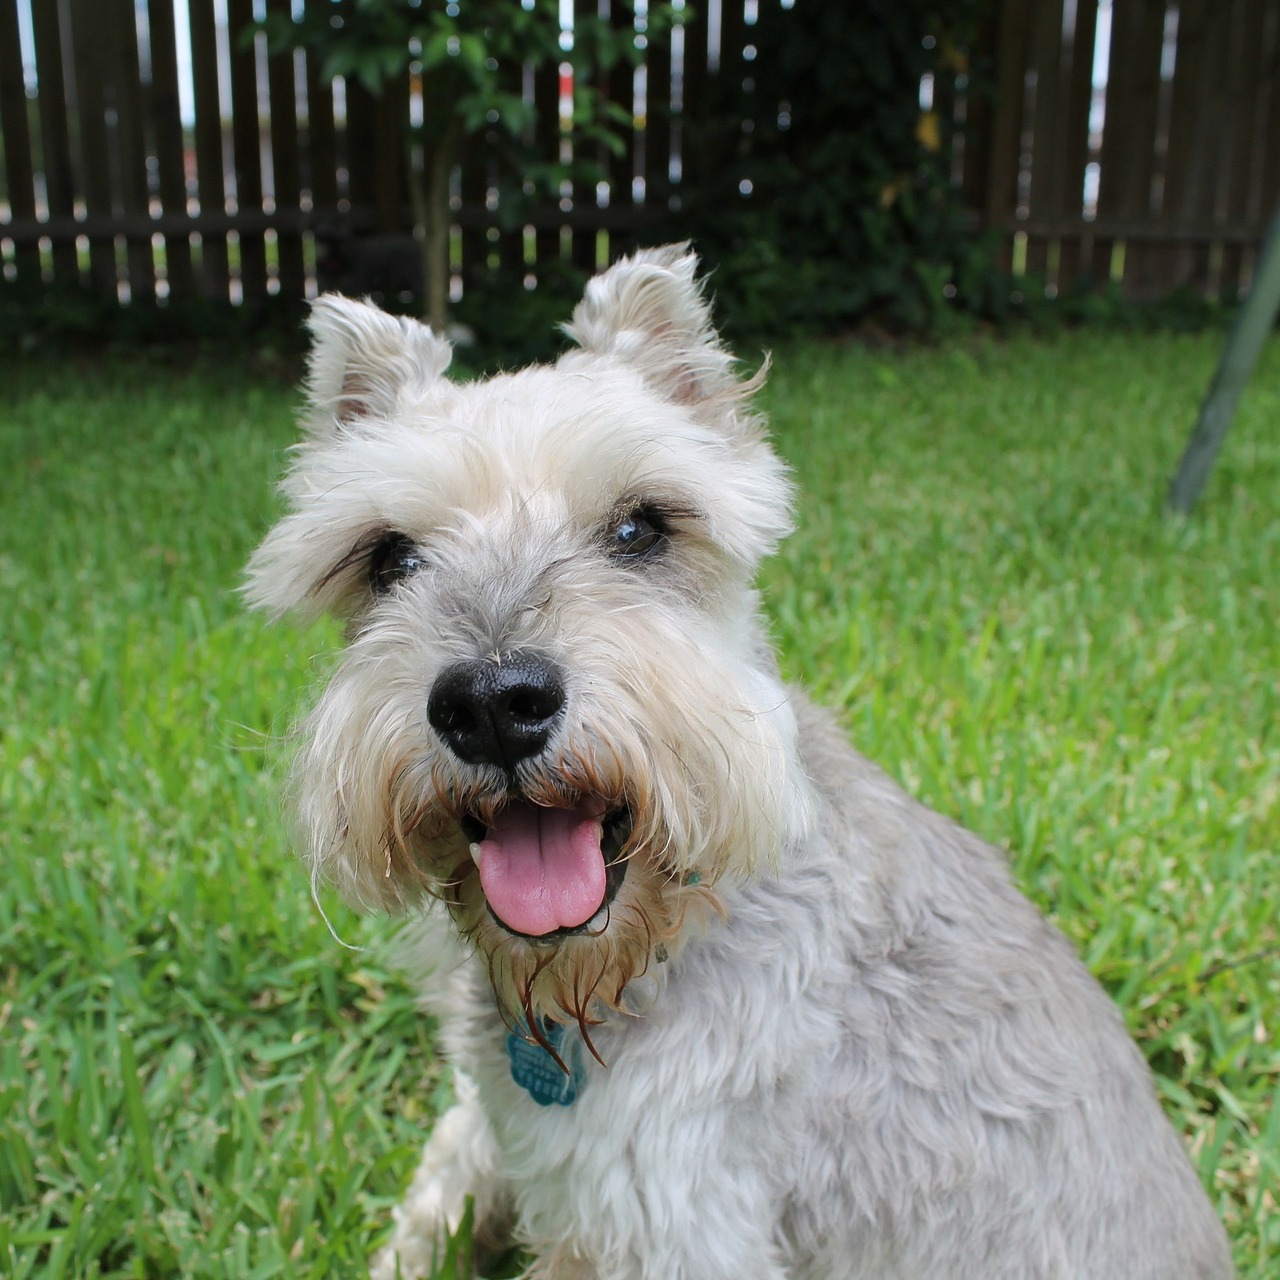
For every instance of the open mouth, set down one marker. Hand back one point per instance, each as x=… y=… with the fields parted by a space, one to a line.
x=547 y=873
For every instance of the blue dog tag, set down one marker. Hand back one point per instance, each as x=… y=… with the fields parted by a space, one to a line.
x=538 y=1073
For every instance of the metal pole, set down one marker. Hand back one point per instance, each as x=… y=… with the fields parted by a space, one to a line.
x=1248 y=334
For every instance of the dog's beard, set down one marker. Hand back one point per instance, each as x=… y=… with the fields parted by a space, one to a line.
x=708 y=795
x=574 y=977
x=579 y=966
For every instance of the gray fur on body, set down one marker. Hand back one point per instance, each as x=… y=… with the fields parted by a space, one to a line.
x=906 y=1074
x=840 y=1045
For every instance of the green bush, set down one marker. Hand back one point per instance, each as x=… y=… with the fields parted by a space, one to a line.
x=822 y=190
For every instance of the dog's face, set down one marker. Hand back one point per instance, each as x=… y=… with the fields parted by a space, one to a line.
x=556 y=710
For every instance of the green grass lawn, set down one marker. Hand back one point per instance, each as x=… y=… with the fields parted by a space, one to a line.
x=197 y=1080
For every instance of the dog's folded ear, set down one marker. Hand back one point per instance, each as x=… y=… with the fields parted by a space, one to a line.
x=363 y=361
x=649 y=311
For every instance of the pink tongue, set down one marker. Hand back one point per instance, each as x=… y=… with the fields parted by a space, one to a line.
x=542 y=869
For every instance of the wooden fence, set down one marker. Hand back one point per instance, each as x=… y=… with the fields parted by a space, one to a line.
x=110 y=174
x=150 y=150
x=1156 y=165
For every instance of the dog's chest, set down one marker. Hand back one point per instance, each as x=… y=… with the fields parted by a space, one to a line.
x=630 y=1148
x=695 y=1088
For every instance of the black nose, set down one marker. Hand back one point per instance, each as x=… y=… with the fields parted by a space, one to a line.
x=497 y=711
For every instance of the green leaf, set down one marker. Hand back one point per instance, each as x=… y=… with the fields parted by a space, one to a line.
x=473 y=52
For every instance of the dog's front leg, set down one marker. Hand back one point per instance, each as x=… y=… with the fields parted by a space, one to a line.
x=458 y=1162
x=672 y=1232
x=563 y=1263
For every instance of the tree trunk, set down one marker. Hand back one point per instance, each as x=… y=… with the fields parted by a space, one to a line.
x=430 y=192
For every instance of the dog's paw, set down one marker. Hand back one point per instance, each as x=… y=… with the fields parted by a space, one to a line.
x=561 y=1264
x=453 y=1205
x=433 y=1227
x=414 y=1251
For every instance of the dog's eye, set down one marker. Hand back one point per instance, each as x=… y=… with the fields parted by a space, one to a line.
x=638 y=535
x=392 y=558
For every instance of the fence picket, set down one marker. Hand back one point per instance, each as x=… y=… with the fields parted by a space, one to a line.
x=1045 y=179
x=1210 y=125
x=321 y=150
x=1129 y=137
x=246 y=139
x=55 y=139
x=511 y=241
x=124 y=96
x=359 y=158
x=1237 y=176
x=285 y=166
x=19 y=171
x=1186 y=265
x=657 y=131
x=91 y=37
x=1013 y=52
x=546 y=105
x=166 y=119
x=215 y=272
x=1268 y=161
x=473 y=187
x=619 y=88
x=1076 y=237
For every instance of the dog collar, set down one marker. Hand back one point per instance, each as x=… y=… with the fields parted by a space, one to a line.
x=537 y=1072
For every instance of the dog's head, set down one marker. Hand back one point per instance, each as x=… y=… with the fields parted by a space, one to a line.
x=556 y=710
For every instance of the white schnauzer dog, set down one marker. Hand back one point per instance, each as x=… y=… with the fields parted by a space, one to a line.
x=723 y=1002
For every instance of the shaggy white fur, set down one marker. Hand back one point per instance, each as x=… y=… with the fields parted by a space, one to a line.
x=814 y=1031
